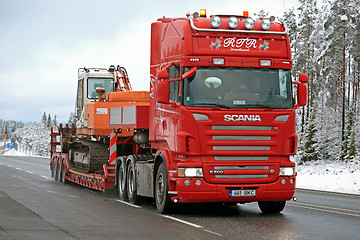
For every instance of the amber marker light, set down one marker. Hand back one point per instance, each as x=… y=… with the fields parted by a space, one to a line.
x=203 y=13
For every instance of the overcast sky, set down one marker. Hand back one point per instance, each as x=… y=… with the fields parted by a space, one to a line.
x=44 y=42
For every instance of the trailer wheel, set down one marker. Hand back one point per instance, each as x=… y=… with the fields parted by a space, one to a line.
x=272 y=207
x=57 y=170
x=122 y=182
x=63 y=172
x=131 y=185
x=162 y=198
x=53 y=167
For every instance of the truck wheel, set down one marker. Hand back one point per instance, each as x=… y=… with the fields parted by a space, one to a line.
x=162 y=198
x=272 y=207
x=63 y=172
x=122 y=182
x=131 y=185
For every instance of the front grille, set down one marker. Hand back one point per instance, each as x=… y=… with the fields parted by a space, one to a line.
x=241 y=158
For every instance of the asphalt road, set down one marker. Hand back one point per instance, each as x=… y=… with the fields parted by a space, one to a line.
x=33 y=206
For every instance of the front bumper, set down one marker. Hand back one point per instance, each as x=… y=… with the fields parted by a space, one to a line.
x=207 y=192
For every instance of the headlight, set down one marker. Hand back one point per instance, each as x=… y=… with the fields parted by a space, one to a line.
x=215 y=21
x=233 y=22
x=286 y=171
x=266 y=24
x=190 y=172
x=249 y=23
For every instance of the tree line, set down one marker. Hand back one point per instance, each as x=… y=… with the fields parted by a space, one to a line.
x=325 y=42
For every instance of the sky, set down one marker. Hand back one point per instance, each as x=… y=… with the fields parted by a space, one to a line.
x=43 y=43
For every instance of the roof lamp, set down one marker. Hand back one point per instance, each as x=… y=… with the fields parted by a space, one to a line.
x=249 y=23
x=203 y=13
x=233 y=22
x=246 y=14
x=215 y=21
x=266 y=24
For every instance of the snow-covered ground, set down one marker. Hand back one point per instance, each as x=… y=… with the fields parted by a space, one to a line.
x=326 y=176
x=330 y=176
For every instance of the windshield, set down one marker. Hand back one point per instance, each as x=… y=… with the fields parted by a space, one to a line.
x=238 y=88
x=93 y=83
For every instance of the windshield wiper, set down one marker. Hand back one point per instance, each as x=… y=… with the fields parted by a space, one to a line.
x=212 y=104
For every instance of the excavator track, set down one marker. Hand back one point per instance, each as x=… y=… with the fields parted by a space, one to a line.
x=88 y=156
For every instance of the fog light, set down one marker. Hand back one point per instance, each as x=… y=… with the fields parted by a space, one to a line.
x=215 y=21
x=187 y=182
x=292 y=181
x=249 y=23
x=283 y=181
x=198 y=182
x=233 y=22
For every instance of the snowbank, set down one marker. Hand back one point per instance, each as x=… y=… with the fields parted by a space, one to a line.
x=330 y=176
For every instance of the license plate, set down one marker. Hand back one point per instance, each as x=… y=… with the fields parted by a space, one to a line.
x=242 y=193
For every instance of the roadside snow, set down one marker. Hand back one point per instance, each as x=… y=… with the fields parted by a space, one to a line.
x=330 y=176
x=320 y=175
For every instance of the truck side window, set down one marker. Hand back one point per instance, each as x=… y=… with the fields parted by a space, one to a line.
x=174 y=73
x=174 y=91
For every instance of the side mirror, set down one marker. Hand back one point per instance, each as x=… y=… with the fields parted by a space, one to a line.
x=189 y=73
x=301 y=95
x=163 y=74
x=162 y=93
x=303 y=78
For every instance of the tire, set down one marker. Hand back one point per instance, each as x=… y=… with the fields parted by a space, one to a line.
x=53 y=168
x=59 y=171
x=56 y=167
x=162 y=198
x=122 y=182
x=63 y=172
x=272 y=207
x=131 y=183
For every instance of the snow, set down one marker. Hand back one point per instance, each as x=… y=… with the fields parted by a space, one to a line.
x=334 y=176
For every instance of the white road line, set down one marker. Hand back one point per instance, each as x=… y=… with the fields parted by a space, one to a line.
x=9 y=166
x=180 y=220
x=44 y=177
x=73 y=196
x=213 y=233
x=18 y=169
x=30 y=172
x=1 y=164
x=132 y=205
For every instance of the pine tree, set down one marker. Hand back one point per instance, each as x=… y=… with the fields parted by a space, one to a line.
x=44 y=119
x=48 y=122
x=309 y=151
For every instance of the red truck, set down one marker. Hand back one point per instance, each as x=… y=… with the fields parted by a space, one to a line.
x=218 y=124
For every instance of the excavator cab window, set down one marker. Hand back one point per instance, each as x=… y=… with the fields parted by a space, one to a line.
x=93 y=83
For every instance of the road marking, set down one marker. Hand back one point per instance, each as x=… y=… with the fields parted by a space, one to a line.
x=320 y=206
x=132 y=205
x=30 y=172
x=213 y=233
x=18 y=169
x=325 y=209
x=8 y=166
x=44 y=177
x=73 y=196
x=1 y=164
x=180 y=220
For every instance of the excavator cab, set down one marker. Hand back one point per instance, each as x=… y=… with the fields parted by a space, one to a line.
x=89 y=79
